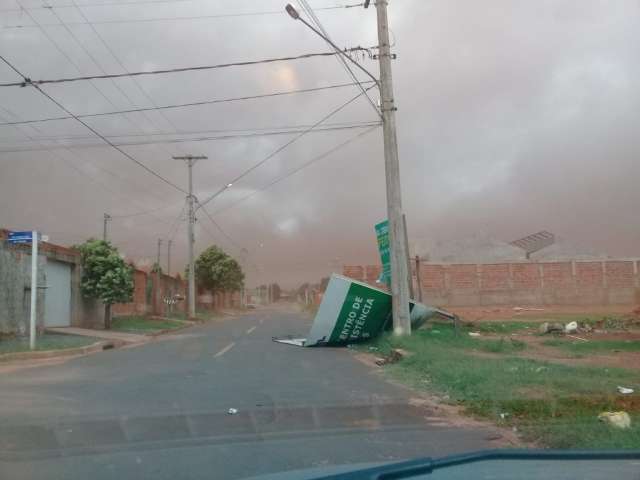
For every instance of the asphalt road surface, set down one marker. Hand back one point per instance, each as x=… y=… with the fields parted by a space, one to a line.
x=161 y=410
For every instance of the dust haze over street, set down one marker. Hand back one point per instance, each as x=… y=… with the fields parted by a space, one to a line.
x=161 y=409
x=513 y=117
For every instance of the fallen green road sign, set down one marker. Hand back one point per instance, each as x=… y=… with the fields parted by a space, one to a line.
x=353 y=311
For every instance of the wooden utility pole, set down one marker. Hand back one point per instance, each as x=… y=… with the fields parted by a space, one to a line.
x=169 y=242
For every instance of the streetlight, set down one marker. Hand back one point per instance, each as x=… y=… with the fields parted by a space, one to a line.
x=397 y=232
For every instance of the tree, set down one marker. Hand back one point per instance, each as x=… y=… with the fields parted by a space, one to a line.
x=217 y=271
x=105 y=276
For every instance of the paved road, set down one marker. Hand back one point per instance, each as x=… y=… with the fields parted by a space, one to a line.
x=160 y=410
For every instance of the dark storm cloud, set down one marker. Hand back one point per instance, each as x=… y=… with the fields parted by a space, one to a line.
x=513 y=116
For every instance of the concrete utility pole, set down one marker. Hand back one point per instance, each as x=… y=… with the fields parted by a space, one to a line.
x=158 y=255
x=190 y=159
x=169 y=257
x=397 y=243
x=398 y=250
x=106 y=218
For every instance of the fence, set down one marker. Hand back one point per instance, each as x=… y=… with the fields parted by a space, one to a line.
x=606 y=282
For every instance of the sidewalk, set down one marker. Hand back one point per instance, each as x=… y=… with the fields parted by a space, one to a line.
x=118 y=338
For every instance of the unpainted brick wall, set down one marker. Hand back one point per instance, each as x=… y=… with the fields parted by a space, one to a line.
x=150 y=291
x=607 y=282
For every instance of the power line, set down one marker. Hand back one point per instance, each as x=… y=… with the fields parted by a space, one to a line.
x=105 y=4
x=281 y=148
x=188 y=132
x=27 y=81
x=77 y=67
x=296 y=170
x=220 y=229
x=106 y=140
x=145 y=212
x=195 y=17
x=135 y=80
x=191 y=104
x=305 y=6
x=95 y=61
x=194 y=139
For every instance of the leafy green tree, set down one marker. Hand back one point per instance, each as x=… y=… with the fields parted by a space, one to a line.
x=217 y=271
x=105 y=275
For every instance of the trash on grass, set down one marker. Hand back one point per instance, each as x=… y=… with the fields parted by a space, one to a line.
x=625 y=390
x=547 y=327
x=353 y=311
x=571 y=327
x=232 y=411
x=504 y=415
x=578 y=338
x=474 y=334
x=616 y=419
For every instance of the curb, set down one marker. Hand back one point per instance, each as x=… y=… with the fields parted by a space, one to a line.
x=188 y=324
x=67 y=352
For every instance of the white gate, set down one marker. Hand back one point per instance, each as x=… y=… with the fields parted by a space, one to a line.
x=57 y=305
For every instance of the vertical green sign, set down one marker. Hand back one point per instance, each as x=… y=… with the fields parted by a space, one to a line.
x=382 y=235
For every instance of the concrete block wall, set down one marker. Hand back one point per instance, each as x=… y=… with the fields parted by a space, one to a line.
x=606 y=282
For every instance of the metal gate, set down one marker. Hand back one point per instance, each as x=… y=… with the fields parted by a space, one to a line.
x=57 y=302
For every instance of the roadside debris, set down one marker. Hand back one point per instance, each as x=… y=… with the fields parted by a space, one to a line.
x=625 y=390
x=353 y=311
x=394 y=356
x=527 y=309
x=503 y=416
x=232 y=411
x=571 y=327
x=547 y=327
x=620 y=420
x=578 y=338
x=474 y=334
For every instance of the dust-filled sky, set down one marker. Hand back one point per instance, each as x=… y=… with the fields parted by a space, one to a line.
x=513 y=116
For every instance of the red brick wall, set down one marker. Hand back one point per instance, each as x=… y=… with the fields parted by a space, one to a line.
x=462 y=276
x=558 y=283
x=495 y=277
x=162 y=287
x=619 y=274
x=557 y=275
x=589 y=274
x=525 y=275
x=138 y=305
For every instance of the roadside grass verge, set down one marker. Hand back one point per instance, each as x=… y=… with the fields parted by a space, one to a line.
x=137 y=324
x=202 y=315
x=552 y=404
x=594 y=346
x=505 y=328
x=48 y=341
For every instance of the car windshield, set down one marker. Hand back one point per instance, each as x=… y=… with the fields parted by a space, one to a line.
x=244 y=238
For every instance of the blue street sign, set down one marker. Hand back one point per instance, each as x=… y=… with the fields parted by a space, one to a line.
x=20 y=237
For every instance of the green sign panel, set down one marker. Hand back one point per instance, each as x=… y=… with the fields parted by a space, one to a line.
x=382 y=235
x=353 y=311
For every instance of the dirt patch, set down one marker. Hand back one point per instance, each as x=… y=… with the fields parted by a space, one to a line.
x=536 y=350
x=525 y=312
x=438 y=411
